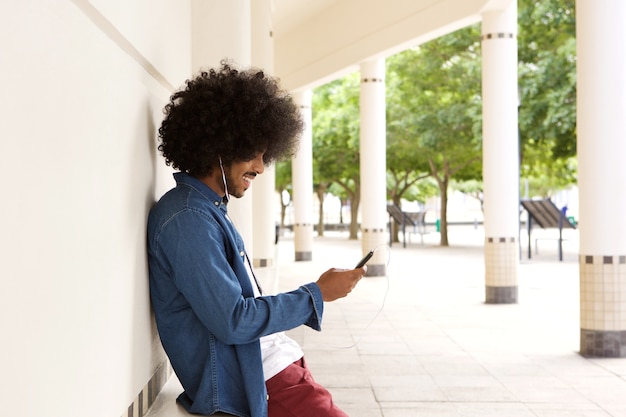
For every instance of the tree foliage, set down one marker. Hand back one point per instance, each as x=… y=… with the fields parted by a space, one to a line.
x=336 y=132
x=435 y=111
x=547 y=80
x=283 y=182
x=434 y=114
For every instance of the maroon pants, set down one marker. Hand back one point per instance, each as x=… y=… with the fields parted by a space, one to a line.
x=294 y=393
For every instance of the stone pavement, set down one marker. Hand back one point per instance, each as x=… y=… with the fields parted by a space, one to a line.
x=422 y=342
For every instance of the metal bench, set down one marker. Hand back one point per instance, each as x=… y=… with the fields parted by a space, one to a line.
x=402 y=219
x=547 y=216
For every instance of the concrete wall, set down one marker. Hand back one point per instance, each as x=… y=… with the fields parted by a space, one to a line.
x=83 y=86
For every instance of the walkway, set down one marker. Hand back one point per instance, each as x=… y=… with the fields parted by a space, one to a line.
x=436 y=349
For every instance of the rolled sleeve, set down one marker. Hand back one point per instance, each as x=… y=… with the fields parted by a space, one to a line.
x=315 y=322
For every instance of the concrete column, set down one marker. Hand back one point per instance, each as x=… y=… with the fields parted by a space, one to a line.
x=601 y=107
x=302 y=176
x=264 y=186
x=222 y=30
x=373 y=166
x=500 y=154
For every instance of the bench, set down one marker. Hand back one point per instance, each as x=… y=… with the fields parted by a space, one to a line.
x=537 y=239
x=402 y=219
x=419 y=226
x=547 y=216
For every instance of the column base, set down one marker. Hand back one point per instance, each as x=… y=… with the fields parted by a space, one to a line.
x=304 y=256
x=501 y=295
x=501 y=264
x=303 y=241
x=372 y=239
x=602 y=307
x=263 y=262
x=603 y=343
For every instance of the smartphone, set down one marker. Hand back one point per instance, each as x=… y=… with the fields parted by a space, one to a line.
x=365 y=259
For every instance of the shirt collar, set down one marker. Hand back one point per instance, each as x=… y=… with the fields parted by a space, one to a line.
x=183 y=178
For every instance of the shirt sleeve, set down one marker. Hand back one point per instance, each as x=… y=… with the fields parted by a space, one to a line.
x=203 y=270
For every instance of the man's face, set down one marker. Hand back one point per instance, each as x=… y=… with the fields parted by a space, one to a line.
x=239 y=175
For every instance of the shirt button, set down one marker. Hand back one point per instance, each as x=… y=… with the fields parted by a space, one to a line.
x=217 y=203
x=241 y=253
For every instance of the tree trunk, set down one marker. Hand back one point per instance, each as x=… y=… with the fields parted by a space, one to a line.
x=341 y=204
x=321 y=191
x=443 y=220
x=442 y=182
x=354 y=213
x=395 y=227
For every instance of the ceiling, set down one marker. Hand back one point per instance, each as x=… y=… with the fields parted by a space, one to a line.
x=316 y=41
x=288 y=14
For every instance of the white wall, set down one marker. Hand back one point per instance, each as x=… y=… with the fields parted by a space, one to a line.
x=83 y=87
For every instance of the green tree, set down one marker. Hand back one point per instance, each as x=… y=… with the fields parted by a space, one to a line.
x=436 y=110
x=283 y=183
x=434 y=113
x=473 y=188
x=549 y=172
x=336 y=140
x=406 y=164
x=547 y=79
x=321 y=190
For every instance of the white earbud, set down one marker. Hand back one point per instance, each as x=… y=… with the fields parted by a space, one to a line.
x=224 y=180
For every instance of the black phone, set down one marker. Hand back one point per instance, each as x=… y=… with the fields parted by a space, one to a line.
x=365 y=259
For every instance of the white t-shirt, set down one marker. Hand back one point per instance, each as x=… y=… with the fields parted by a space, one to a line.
x=277 y=350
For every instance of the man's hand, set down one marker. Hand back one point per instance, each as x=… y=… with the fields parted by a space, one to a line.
x=337 y=283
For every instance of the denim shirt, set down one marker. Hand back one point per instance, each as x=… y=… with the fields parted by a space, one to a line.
x=208 y=319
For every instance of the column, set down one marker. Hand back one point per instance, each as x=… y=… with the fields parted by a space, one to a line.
x=373 y=166
x=230 y=23
x=302 y=173
x=264 y=186
x=601 y=107
x=500 y=154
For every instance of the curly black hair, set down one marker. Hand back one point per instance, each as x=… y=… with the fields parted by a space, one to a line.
x=232 y=114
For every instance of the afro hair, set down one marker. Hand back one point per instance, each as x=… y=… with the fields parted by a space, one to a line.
x=229 y=114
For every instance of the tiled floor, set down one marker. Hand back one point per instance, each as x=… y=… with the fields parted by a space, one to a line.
x=432 y=347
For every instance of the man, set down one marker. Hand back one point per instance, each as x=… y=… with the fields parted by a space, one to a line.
x=224 y=338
